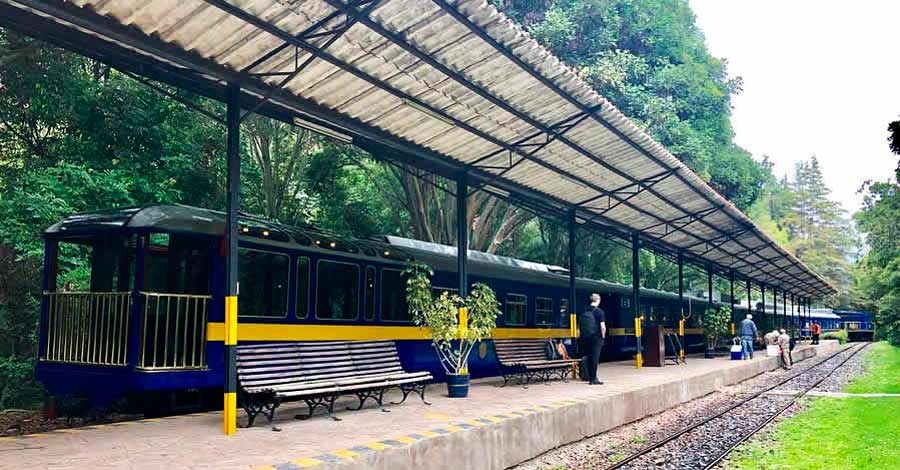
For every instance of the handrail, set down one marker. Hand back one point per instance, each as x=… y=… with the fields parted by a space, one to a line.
x=173 y=331
x=89 y=328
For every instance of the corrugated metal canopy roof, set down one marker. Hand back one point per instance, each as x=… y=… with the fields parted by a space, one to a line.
x=449 y=86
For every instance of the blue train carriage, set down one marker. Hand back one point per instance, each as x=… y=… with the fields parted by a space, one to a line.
x=860 y=326
x=150 y=325
x=825 y=317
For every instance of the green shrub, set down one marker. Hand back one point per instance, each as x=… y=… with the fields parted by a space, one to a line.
x=18 y=389
x=441 y=316
x=840 y=335
x=716 y=323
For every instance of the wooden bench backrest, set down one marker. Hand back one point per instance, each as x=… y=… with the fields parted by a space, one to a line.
x=326 y=360
x=518 y=350
x=375 y=357
x=322 y=360
x=262 y=365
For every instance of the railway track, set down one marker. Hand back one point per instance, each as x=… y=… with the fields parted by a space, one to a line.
x=704 y=444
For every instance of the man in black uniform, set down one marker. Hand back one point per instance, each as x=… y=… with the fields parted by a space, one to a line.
x=592 y=332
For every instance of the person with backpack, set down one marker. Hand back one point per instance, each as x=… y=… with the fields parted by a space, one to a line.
x=592 y=332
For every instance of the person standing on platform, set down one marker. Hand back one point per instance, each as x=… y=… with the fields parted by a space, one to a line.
x=748 y=334
x=784 y=343
x=816 y=330
x=592 y=332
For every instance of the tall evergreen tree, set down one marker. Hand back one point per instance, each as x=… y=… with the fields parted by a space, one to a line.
x=819 y=231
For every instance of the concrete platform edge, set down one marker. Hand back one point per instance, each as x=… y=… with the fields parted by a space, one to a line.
x=513 y=439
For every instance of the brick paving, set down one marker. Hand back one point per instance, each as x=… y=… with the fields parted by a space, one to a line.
x=196 y=441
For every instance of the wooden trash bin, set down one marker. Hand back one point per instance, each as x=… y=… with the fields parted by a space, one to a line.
x=654 y=347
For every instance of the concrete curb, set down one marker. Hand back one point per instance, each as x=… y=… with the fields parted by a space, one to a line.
x=501 y=441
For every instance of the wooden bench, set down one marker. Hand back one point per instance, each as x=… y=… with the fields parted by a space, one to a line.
x=317 y=373
x=526 y=359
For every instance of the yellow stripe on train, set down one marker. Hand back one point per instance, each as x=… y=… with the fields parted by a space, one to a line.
x=215 y=331
x=281 y=332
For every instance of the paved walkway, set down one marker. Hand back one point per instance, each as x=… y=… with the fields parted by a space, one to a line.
x=196 y=441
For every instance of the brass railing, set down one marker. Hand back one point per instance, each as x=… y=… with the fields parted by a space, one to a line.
x=173 y=331
x=87 y=327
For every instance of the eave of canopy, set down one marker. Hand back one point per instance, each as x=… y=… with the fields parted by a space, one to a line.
x=443 y=85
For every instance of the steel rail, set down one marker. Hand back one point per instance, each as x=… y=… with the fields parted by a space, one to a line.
x=778 y=413
x=656 y=445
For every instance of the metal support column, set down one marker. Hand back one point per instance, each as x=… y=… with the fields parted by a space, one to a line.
x=733 y=319
x=787 y=324
x=636 y=296
x=749 y=301
x=807 y=307
x=573 y=324
x=462 y=233
x=709 y=289
x=681 y=302
x=775 y=307
x=793 y=318
x=762 y=292
x=462 y=250
x=232 y=207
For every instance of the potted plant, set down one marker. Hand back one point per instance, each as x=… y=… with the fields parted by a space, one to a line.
x=715 y=322
x=456 y=324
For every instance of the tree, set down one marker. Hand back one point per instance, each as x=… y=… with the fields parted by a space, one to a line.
x=878 y=282
x=894 y=141
x=279 y=154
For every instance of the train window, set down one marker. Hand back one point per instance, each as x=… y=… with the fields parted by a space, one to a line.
x=263 y=277
x=176 y=264
x=564 y=312
x=370 y=293
x=111 y=264
x=302 y=287
x=516 y=306
x=337 y=291
x=393 y=296
x=543 y=311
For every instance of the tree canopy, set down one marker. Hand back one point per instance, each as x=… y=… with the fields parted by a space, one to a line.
x=878 y=273
x=76 y=135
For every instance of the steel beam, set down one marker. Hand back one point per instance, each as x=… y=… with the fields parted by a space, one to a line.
x=450 y=9
x=462 y=234
x=401 y=42
x=762 y=290
x=731 y=282
x=636 y=296
x=232 y=208
x=572 y=265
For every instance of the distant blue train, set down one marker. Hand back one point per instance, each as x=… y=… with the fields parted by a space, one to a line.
x=151 y=323
x=860 y=326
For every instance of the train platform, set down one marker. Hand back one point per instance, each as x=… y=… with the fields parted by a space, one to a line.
x=495 y=428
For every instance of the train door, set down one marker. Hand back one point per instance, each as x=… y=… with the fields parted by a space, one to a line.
x=172 y=301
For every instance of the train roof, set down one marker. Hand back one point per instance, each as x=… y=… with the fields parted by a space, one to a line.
x=824 y=314
x=178 y=218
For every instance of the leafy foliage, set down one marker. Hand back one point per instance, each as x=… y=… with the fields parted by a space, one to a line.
x=840 y=335
x=440 y=315
x=716 y=323
x=878 y=273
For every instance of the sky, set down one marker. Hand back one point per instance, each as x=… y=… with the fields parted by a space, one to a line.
x=819 y=78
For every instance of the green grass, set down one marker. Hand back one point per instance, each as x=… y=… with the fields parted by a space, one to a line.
x=833 y=433
x=883 y=371
x=838 y=433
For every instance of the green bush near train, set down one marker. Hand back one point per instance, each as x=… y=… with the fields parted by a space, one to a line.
x=456 y=324
x=840 y=335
